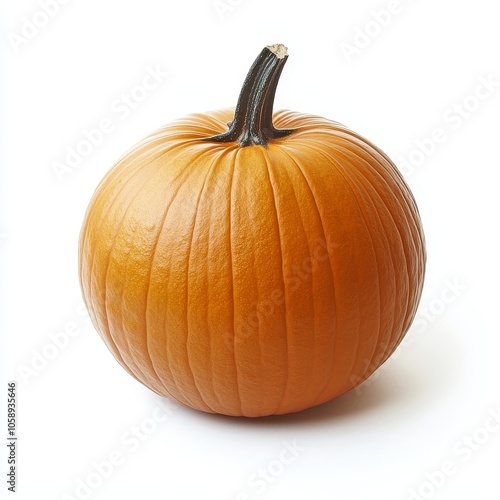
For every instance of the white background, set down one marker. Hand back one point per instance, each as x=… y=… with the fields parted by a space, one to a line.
x=382 y=441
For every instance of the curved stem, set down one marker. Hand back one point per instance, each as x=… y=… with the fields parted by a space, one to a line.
x=253 y=118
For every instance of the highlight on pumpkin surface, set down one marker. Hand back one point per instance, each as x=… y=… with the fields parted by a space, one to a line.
x=248 y=261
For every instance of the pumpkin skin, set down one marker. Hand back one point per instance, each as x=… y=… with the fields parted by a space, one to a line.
x=252 y=281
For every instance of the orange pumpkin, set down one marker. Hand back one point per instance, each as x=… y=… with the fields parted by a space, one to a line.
x=260 y=270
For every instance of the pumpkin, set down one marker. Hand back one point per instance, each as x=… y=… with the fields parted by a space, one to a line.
x=252 y=263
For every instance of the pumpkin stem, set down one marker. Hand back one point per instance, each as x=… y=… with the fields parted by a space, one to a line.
x=253 y=118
